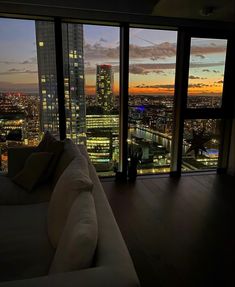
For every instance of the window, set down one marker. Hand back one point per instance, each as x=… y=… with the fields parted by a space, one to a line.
x=206 y=73
x=202 y=120
x=151 y=97
x=26 y=80
x=92 y=91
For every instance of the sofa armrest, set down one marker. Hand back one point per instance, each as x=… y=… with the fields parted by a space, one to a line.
x=17 y=157
x=93 y=277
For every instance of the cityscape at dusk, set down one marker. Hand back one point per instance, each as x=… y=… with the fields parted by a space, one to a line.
x=152 y=59
x=28 y=93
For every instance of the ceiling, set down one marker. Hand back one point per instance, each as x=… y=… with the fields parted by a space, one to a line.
x=222 y=10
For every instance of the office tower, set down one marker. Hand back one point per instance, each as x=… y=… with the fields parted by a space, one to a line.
x=104 y=87
x=45 y=38
x=75 y=101
x=75 y=105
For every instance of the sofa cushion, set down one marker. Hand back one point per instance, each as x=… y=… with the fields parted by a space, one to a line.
x=11 y=193
x=25 y=248
x=68 y=154
x=74 y=179
x=46 y=141
x=79 y=239
x=35 y=168
x=50 y=144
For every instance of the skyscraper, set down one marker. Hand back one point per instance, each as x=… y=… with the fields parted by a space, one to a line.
x=104 y=87
x=75 y=104
x=45 y=39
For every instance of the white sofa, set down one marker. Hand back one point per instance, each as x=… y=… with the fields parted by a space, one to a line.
x=26 y=253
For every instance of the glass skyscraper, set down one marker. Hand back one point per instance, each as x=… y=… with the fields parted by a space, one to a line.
x=75 y=104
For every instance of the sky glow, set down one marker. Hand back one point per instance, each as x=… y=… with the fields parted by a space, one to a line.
x=152 y=59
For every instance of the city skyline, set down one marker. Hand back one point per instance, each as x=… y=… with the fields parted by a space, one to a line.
x=152 y=59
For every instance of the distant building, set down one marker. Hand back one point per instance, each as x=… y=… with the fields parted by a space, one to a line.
x=102 y=139
x=75 y=104
x=104 y=87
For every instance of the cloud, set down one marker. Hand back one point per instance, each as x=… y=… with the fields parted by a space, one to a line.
x=156 y=66
x=153 y=52
x=193 y=77
x=143 y=70
x=219 y=82
x=200 y=56
x=171 y=66
x=166 y=86
x=13 y=70
x=198 y=85
x=22 y=87
x=97 y=51
x=196 y=78
x=103 y=40
x=7 y=62
x=212 y=49
x=18 y=71
x=31 y=60
x=146 y=68
x=134 y=69
x=216 y=72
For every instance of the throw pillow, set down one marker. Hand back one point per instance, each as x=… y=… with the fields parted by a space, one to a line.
x=74 y=179
x=78 y=242
x=34 y=168
x=45 y=142
x=50 y=144
x=57 y=148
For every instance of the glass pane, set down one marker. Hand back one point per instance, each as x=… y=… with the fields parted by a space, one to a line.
x=91 y=67
x=206 y=73
x=47 y=77
x=201 y=141
x=25 y=81
x=151 y=90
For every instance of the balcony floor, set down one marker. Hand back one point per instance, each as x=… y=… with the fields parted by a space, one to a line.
x=179 y=232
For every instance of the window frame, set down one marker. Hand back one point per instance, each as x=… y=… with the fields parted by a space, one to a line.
x=181 y=112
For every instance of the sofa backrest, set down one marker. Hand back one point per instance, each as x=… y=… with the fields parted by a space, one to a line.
x=74 y=179
x=78 y=241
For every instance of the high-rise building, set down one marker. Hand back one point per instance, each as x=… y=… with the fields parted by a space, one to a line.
x=45 y=39
x=75 y=104
x=75 y=100
x=104 y=87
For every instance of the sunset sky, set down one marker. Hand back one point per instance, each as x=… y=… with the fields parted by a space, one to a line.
x=152 y=59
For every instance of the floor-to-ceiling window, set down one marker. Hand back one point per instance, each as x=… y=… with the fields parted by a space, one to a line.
x=152 y=60
x=27 y=87
x=91 y=79
x=202 y=128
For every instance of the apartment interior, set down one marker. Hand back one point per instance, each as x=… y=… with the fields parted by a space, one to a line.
x=178 y=226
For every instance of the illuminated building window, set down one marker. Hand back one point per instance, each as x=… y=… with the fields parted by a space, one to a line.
x=41 y=44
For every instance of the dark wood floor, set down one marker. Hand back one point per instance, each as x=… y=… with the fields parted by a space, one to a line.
x=179 y=232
